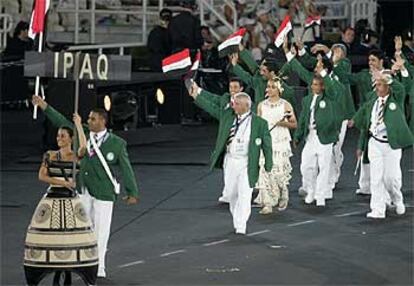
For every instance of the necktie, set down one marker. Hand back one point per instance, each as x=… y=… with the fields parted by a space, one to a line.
x=373 y=82
x=92 y=150
x=380 y=113
x=233 y=130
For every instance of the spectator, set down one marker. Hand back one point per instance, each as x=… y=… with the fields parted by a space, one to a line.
x=348 y=37
x=408 y=47
x=20 y=42
x=184 y=29
x=263 y=32
x=159 y=42
x=249 y=24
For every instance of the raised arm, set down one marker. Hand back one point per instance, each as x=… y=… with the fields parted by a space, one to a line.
x=53 y=115
x=246 y=77
x=203 y=100
x=81 y=135
x=248 y=59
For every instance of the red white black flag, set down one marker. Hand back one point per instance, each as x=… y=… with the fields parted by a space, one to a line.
x=282 y=32
x=178 y=62
x=194 y=67
x=231 y=44
x=312 y=20
x=37 y=22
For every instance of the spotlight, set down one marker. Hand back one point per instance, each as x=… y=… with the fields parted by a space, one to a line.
x=107 y=103
x=160 y=96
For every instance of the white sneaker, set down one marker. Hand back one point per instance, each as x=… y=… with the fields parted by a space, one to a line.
x=309 y=199
x=320 y=203
x=302 y=192
x=400 y=208
x=362 y=192
x=375 y=215
x=223 y=200
x=240 y=231
x=101 y=273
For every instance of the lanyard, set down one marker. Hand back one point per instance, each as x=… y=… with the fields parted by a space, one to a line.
x=240 y=123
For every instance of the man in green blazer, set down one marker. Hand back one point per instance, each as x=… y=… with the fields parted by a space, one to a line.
x=226 y=101
x=257 y=76
x=341 y=67
x=241 y=137
x=319 y=125
x=384 y=133
x=99 y=192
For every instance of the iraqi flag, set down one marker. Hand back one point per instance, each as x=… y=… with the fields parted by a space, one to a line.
x=194 y=67
x=284 y=29
x=312 y=20
x=37 y=22
x=178 y=62
x=231 y=44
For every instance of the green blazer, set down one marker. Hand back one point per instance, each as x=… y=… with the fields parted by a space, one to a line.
x=258 y=83
x=328 y=123
x=260 y=138
x=92 y=175
x=399 y=134
x=363 y=81
x=341 y=69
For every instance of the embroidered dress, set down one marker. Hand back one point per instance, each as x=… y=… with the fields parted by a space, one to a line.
x=60 y=237
x=273 y=186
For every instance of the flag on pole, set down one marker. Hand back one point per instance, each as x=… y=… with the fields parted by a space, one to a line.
x=284 y=29
x=231 y=44
x=194 y=67
x=312 y=20
x=178 y=62
x=37 y=22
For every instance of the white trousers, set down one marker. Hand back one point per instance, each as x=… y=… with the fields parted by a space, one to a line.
x=224 y=194
x=315 y=167
x=364 y=178
x=338 y=156
x=385 y=173
x=239 y=192
x=100 y=213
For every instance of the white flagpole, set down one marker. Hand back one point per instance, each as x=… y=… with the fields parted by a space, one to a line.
x=37 y=84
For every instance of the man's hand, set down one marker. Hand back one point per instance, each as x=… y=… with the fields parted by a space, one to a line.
x=194 y=90
x=295 y=144
x=398 y=63
x=285 y=45
x=241 y=47
x=234 y=58
x=398 y=44
x=293 y=51
x=77 y=119
x=299 y=44
x=37 y=100
x=130 y=200
x=319 y=65
x=351 y=123
x=358 y=154
x=319 y=47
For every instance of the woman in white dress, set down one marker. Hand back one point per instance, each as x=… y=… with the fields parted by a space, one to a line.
x=273 y=186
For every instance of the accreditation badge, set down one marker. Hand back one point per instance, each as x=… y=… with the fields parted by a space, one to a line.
x=110 y=156
x=392 y=106
x=322 y=104
x=258 y=141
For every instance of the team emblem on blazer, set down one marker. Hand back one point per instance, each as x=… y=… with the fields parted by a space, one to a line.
x=322 y=104
x=110 y=156
x=258 y=141
x=392 y=106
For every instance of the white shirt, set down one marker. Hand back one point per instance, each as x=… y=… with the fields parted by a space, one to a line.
x=99 y=137
x=378 y=130
x=239 y=146
x=312 y=122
